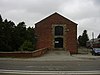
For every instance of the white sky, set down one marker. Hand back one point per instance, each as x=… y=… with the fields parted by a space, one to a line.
x=86 y=13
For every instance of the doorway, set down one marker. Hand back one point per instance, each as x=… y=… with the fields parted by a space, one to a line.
x=58 y=42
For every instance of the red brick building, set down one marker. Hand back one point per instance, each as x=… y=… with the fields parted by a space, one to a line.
x=56 y=32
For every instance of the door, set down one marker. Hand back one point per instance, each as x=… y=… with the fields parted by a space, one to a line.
x=58 y=42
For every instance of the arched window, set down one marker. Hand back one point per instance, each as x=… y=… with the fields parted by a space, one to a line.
x=58 y=30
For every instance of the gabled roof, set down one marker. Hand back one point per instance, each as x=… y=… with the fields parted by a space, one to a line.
x=53 y=15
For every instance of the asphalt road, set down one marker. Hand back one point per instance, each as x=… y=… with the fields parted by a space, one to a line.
x=86 y=65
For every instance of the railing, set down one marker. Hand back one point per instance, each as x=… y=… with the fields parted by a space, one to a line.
x=40 y=52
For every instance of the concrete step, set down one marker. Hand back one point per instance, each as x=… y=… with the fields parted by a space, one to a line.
x=58 y=53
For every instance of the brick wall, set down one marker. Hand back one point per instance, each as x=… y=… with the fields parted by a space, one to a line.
x=44 y=32
x=24 y=54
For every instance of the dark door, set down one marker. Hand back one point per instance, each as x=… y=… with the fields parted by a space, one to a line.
x=58 y=42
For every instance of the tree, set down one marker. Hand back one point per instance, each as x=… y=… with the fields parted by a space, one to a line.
x=31 y=35
x=80 y=40
x=1 y=24
x=98 y=36
x=14 y=36
x=19 y=35
x=1 y=20
x=6 y=36
x=83 y=39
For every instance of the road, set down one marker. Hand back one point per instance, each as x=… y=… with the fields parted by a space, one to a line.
x=86 y=65
x=26 y=67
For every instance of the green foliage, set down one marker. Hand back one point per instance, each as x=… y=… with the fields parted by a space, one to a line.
x=83 y=39
x=13 y=36
x=27 y=46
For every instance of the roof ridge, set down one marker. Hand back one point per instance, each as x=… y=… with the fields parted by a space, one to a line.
x=57 y=14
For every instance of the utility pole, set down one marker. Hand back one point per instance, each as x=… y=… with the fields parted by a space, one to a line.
x=92 y=38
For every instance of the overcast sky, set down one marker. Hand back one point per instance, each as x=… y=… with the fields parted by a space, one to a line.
x=86 y=13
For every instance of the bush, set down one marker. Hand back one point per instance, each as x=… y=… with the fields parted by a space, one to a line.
x=27 y=46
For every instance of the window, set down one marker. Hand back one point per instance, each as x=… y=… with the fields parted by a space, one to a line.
x=58 y=30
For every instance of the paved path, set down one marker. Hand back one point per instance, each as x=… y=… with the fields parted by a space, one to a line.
x=58 y=56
